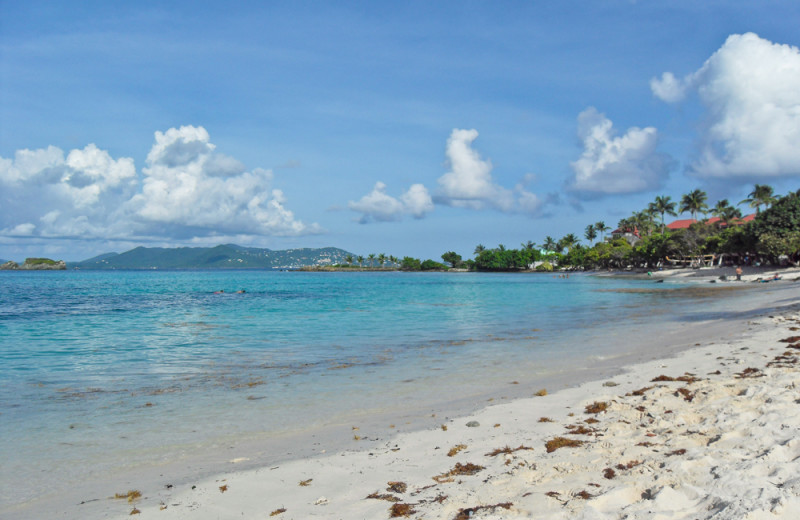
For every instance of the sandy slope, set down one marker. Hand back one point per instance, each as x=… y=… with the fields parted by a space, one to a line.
x=722 y=443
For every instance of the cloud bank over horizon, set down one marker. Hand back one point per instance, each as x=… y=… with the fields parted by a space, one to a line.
x=750 y=89
x=186 y=191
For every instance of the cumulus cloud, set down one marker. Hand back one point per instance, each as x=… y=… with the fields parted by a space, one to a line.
x=186 y=191
x=188 y=187
x=751 y=90
x=612 y=164
x=469 y=182
x=378 y=206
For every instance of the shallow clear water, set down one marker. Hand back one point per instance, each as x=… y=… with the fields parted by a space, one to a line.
x=106 y=370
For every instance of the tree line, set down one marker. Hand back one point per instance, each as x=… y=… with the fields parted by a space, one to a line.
x=644 y=240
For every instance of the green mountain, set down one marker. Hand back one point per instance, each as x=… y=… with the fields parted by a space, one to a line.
x=227 y=256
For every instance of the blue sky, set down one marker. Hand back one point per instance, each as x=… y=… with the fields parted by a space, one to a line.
x=407 y=128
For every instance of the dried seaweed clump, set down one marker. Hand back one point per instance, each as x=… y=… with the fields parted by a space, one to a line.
x=541 y=393
x=687 y=395
x=131 y=495
x=466 y=514
x=134 y=511
x=580 y=429
x=749 y=372
x=459 y=469
x=561 y=442
x=507 y=450
x=455 y=449
x=397 y=487
x=384 y=496
x=642 y=391
x=629 y=465
x=609 y=473
x=305 y=483
x=597 y=407
x=398 y=510
x=585 y=495
x=545 y=419
x=278 y=512
x=223 y=488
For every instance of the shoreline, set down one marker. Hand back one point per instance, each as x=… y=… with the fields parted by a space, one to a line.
x=686 y=441
x=373 y=436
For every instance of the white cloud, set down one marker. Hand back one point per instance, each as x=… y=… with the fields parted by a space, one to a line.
x=378 y=206
x=613 y=164
x=668 y=88
x=191 y=189
x=751 y=90
x=469 y=182
x=187 y=191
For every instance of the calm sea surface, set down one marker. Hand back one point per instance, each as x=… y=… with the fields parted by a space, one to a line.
x=104 y=371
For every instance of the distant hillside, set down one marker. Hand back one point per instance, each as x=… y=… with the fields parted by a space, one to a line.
x=228 y=256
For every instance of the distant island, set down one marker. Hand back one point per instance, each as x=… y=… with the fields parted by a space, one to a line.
x=34 y=264
x=226 y=256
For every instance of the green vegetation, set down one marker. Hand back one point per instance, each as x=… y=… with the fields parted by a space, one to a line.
x=40 y=261
x=643 y=240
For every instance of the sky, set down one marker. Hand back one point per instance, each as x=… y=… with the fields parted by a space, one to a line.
x=404 y=128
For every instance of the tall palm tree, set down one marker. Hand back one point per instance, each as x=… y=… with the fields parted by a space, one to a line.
x=760 y=196
x=371 y=257
x=360 y=261
x=568 y=241
x=480 y=248
x=381 y=259
x=590 y=233
x=349 y=259
x=601 y=228
x=694 y=203
x=528 y=246
x=664 y=205
x=549 y=243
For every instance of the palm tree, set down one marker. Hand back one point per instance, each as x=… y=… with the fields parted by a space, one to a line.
x=568 y=242
x=528 y=246
x=590 y=233
x=694 y=203
x=664 y=205
x=726 y=212
x=549 y=243
x=360 y=261
x=601 y=228
x=641 y=221
x=349 y=259
x=480 y=248
x=760 y=196
x=371 y=257
x=381 y=259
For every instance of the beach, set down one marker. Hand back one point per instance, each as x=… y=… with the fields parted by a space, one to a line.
x=712 y=432
x=696 y=420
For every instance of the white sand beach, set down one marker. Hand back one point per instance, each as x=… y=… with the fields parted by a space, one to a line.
x=713 y=432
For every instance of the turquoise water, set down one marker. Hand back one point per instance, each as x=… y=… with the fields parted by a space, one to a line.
x=107 y=371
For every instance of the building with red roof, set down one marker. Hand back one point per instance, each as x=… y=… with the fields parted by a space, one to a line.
x=686 y=222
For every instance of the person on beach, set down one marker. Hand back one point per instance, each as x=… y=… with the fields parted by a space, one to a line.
x=738 y=273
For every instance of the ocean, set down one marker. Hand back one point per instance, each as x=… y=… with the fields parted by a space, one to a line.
x=111 y=374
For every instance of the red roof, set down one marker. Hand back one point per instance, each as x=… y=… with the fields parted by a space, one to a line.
x=685 y=223
x=681 y=224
